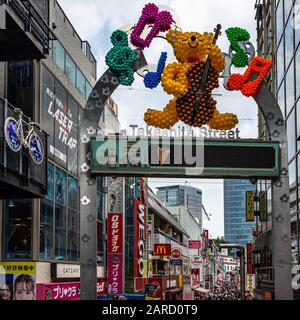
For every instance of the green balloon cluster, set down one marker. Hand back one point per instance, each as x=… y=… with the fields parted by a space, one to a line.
x=235 y=34
x=120 y=58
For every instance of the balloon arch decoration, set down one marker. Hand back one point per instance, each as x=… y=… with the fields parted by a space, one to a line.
x=190 y=80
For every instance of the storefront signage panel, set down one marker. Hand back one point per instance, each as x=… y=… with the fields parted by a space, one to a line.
x=59 y=118
x=139 y=237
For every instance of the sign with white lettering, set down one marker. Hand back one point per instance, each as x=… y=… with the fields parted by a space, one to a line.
x=67 y=271
x=139 y=237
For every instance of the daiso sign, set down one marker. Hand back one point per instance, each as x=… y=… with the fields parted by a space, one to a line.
x=139 y=237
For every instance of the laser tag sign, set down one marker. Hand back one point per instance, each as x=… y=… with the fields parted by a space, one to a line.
x=183 y=157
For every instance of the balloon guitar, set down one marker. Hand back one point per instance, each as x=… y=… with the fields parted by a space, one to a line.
x=193 y=77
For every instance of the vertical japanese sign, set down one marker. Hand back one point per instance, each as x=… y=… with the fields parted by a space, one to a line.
x=263 y=206
x=139 y=238
x=115 y=253
x=249 y=206
x=150 y=232
x=206 y=236
x=18 y=280
x=250 y=286
x=250 y=258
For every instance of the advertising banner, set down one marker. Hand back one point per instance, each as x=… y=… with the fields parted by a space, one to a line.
x=139 y=238
x=206 y=236
x=58 y=291
x=18 y=280
x=249 y=206
x=64 y=290
x=250 y=268
x=263 y=206
x=195 y=244
x=162 y=249
x=158 y=281
x=115 y=253
x=115 y=232
x=150 y=232
x=115 y=276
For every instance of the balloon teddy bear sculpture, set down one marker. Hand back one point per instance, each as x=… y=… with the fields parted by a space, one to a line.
x=193 y=104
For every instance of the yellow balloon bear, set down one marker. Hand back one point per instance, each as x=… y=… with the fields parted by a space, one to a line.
x=182 y=79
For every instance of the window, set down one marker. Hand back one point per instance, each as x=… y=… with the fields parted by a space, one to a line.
x=72 y=235
x=291 y=132
x=60 y=232
x=58 y=54
x=293 y=186
x=20 y=86
x=280 y=62
x=279 y=21
x=289 y=41
x=290 y=88
x=297 y=33
x=88 y=89
x=72 y=140
x=70 y=69
x=46 y=230
x=281 y=99
x=17 y=229
x=80 y=82
x=298 y=71
x=46 y=218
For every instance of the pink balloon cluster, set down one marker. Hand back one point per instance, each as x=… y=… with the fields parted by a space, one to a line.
x=150 y=15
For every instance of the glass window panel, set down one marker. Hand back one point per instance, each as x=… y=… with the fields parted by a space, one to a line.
x=291 y=135
x=80 y=82
x=60 y=232
x=72 y=236
x=100 y=242
x=46 y=230
x=298 y=72
x=48 y=108
x=72 y=140
x=62 y=124
x=20 y=85
x=289 y=41
x=60 y=186
x=70 y=69
x=281 y=99
x=290 y=88
x=17 y=229
x=280 y=62
x=287 y=8
x=293 y=186
x=88 y=90
x=297 y=23
x=298 y=124
x=73 y=193
x=50 y=194
x=59 y=55
x=279 y=21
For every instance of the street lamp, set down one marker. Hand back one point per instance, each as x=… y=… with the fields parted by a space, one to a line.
x=242 y=265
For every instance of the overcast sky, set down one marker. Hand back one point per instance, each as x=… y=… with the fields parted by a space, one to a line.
x=95 y=20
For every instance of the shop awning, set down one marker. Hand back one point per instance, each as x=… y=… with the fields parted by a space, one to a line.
x=201 y=290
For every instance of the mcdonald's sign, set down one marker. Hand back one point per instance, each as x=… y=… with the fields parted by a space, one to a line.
x=162 y=249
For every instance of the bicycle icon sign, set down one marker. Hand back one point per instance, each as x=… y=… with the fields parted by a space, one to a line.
x=16 y=137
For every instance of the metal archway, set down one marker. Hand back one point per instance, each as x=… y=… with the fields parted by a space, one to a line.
x=281 y=233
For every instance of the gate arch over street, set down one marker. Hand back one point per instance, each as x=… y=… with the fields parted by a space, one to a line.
x=281 y=233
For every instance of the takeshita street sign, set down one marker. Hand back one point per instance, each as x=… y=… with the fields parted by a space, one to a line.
x=194 y=158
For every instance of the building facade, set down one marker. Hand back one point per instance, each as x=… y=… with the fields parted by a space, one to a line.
x=279 y=39
x=187 y=196
x=236 y=229
x=52 y=91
